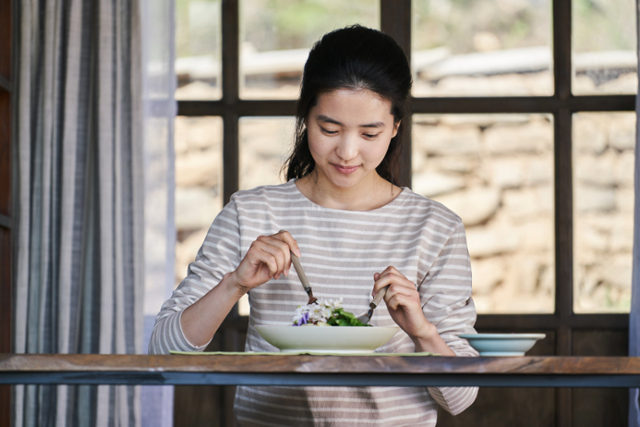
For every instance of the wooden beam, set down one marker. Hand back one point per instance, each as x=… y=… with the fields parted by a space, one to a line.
x=477 y=105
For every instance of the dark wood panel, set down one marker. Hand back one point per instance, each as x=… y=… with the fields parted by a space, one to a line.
x=5 y=84
x=510 y=322
x=5 y=153
x=6 y=33
x=5 y=38
x=603 y=406
x=5 y=318
x=600 y=407
x=535 y=322
x=5 y=221
x=197 y=405
x=500 y=407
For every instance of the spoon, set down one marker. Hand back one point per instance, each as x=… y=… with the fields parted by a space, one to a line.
x=303 y=278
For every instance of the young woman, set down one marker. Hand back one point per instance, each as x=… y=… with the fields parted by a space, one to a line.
x=356 y=232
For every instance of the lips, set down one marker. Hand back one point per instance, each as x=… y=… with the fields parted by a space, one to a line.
x=344 y=169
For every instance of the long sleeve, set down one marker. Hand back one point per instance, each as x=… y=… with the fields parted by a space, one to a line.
x=447 y=303
x=219 y=254
x=341 y=251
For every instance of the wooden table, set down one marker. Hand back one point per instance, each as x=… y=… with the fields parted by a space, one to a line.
x=320 y=370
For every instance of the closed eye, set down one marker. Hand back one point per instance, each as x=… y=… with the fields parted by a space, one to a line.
x=328 y=132
x=371 y=136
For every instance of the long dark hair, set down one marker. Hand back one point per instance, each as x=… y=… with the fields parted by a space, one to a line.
x=354 y=58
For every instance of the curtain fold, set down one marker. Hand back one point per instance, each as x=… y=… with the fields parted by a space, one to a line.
x=159 y=106
x=80 y=195
x=634 y=313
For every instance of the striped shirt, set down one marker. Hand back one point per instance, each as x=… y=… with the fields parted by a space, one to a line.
x=341 y=250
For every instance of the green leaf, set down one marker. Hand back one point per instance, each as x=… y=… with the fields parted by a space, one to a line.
x=342 y=322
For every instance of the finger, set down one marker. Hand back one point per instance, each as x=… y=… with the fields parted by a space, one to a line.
x=390 y=269
x=290 y=241
x=396 y=301
x=389 y=278
x=394 y=290
x=283 y=247
x=261 y=257
x=399 y=300
x=281 y=255
x=375 y=277
x=262 y=244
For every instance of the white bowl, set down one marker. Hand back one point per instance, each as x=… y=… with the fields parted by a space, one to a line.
x=502 y=344
x=326 y=339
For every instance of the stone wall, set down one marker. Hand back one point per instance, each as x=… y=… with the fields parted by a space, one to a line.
x=496 y=172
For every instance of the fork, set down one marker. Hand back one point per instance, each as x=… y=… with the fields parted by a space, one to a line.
x=366 y=316
x=303 y=278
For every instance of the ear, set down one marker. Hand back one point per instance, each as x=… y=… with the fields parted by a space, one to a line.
x=396 y=125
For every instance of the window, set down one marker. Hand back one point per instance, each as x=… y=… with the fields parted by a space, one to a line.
x=532 y=102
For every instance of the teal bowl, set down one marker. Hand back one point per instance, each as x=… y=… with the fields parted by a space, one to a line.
x=502 y=344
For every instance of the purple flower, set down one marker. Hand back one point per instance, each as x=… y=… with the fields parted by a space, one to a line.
x=303 y=320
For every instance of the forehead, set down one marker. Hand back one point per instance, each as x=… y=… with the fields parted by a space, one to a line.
x=359 y=104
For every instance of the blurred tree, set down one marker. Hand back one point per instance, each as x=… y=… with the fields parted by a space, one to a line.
x=294 y=24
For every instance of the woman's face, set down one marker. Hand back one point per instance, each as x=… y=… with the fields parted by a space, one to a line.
x=349 y=132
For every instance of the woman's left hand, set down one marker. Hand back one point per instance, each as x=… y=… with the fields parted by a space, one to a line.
x=403 y=302
x=405 y=308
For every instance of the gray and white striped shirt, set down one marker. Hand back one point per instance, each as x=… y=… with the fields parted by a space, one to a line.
x=341 y=250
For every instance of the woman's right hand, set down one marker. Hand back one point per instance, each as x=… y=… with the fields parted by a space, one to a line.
x=268 y=258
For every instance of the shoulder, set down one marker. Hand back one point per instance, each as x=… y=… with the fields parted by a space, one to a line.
x=428 y=208
x=264 y=193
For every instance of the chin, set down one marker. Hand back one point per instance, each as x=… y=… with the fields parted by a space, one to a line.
x=345 y=181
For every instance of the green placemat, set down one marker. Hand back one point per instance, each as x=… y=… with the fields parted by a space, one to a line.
x=310 y=353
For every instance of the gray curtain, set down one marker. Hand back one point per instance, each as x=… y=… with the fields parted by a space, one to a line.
x=79 y=201
x=634 y=314
x=158 y=58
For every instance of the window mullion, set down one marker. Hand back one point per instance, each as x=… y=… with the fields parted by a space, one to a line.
x=395 y=20
x=230 y=91
x=562 y=48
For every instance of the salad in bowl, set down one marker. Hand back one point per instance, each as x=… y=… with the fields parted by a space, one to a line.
x=328 y=312
x=325 y=312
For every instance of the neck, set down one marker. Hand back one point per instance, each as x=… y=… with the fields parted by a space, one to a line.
x=367 y=195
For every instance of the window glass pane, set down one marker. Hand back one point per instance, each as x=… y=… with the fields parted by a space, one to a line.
x=198 y=195
x=265 y=144
x=276 y=36
x=604 y=47
x=495 y=172
x=198 y=51
x=481 y=48
x=603 y=168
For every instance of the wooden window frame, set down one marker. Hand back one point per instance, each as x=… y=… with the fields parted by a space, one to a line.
x=396 y=21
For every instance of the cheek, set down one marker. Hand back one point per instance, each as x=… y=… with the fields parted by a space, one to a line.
x=381 y=150
x=318 y=146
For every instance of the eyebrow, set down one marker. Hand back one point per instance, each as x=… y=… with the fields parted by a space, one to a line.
x=325 y=119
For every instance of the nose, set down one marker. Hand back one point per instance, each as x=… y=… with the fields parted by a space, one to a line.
x=347 y=148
